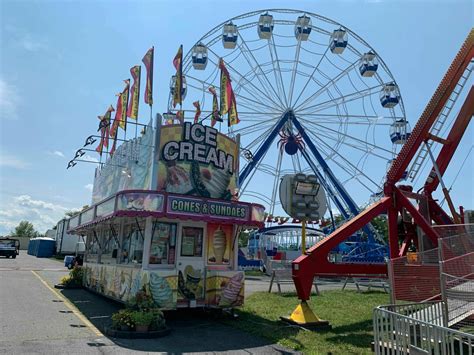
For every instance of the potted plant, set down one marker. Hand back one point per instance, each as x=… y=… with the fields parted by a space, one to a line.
x=122 y=320
x=142 y=320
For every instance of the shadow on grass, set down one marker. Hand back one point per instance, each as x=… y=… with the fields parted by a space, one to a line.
x=191 y=330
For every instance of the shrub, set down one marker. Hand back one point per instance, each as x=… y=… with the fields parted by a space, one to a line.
x=142 y=318
x=158 y=320
x=142 y=301
x=76 y=275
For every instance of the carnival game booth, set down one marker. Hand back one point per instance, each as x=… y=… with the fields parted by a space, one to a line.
x=178 y=241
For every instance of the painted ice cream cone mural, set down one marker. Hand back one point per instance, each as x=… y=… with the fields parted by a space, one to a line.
x=230 y=293
x=190 y=283
x=219 y=249
x=161 y=291
x=219 y=245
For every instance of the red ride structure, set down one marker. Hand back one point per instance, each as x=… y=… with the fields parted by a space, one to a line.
x=396 y=201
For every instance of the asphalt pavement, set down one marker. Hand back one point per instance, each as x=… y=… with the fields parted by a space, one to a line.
x=35 y=318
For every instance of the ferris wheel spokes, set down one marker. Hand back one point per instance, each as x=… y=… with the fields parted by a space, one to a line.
x=341 y=100
x=277 y=69
x=326 y=86
x=356 y=171
x=237 y=94
x=311 y=76
x=374 y=146
x=247 y=52
x=257 y=91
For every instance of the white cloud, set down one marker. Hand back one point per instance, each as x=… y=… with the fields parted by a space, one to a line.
x=10 y=161
x=43 y=214
x=89 y=187
x=9 y=100
x=58 y=153
x=26 y=40
x=32 y=44
x=90 y=158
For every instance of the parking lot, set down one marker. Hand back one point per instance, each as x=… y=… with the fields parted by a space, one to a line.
x=36 y=318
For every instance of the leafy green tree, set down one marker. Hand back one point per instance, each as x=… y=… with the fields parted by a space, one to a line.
x=71 y=213
x=380 y=224
x=25 y=229
x=243 y=239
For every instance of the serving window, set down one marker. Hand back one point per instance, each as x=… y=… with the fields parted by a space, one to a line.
x=163 y=244
x=109 y=248
x=132 y=243
x=93 y=248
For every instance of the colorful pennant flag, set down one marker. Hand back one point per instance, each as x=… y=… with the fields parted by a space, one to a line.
x=215 y=117
x=117 y=122
x=228 y=103
x=148 y=61
x=198 y=111
x=132 y=110
x=233 y=115
x=104 y=127
x=225 y=88
x=123 y=113
x=180 y=116
x=178 y=85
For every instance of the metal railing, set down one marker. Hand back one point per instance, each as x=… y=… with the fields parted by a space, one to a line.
x=417 y=329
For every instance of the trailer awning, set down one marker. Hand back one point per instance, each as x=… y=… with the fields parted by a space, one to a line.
x=146 y=203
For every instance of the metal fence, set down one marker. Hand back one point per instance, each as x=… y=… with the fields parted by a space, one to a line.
x=417 y=329
x=415 y=280
x=456 y=253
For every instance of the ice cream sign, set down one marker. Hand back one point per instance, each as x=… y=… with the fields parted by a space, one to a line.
x=199 y=144
x=207 y=208
x=197 y=160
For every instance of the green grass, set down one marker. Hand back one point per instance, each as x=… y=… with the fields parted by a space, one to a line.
x=349 y=313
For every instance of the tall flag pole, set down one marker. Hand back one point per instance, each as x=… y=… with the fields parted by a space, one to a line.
x=148 y=61
x=198 y=111
x=215 y=117
x=132 y=110
x=228 y=103
x=178 y=85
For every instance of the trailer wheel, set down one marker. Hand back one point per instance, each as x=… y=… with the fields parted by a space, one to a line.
x=14 y=256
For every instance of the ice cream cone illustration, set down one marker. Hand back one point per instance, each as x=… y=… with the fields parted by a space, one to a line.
x=231 y=291
x=219 y=245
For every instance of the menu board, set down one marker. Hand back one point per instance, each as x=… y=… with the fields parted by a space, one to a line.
x=191 y=241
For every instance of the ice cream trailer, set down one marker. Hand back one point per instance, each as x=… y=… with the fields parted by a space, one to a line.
x=177 y=241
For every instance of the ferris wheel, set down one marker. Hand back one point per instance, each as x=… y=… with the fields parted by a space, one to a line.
x=312 y=96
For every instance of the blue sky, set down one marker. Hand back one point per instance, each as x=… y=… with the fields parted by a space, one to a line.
x=61 y=63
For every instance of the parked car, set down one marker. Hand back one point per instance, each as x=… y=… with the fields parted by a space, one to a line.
x=9 y=247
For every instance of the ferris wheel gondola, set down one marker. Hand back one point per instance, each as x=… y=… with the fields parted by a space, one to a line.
x=313 y=97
